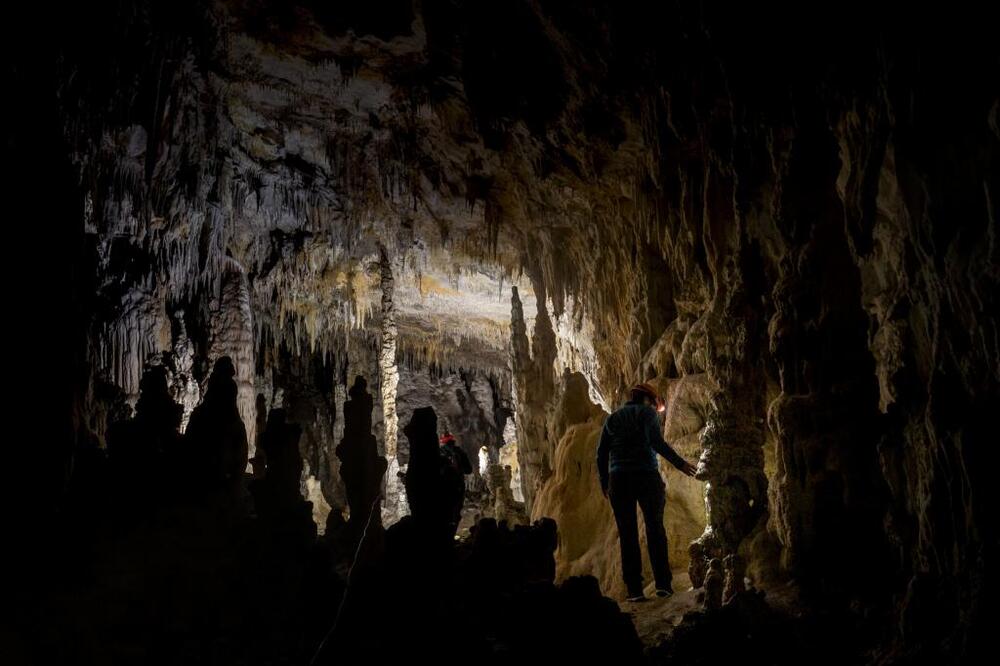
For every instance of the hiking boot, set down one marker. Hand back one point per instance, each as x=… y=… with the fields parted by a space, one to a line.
x=664 y=592
x=636 y=597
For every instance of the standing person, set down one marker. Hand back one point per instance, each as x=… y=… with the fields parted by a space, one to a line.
x=629 y=475
x=455 y=466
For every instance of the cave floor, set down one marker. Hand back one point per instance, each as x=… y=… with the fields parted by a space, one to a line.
x=655 y=619
x=770 y=627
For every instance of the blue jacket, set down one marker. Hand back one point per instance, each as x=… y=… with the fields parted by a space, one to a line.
x=630 y=440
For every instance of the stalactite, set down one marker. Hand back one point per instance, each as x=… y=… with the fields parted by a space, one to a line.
x=133 y=339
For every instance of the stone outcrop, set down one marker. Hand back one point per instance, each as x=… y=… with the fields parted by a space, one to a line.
x=361 y=468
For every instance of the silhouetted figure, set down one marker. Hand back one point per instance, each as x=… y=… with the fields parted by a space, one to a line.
x=216 y=437
x=361 y=467
x=455 y=466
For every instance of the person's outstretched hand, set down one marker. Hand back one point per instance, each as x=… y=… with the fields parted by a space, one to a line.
x=688 y=469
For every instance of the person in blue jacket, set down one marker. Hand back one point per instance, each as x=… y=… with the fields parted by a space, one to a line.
x=629 y=475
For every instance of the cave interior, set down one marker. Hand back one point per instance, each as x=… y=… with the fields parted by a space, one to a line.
x=373 y=223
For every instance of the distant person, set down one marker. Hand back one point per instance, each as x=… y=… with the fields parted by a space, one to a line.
x=630 y=475
x=455 y=466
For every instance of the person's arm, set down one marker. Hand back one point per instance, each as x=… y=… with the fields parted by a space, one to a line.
x=602 y=457
x=655 y=438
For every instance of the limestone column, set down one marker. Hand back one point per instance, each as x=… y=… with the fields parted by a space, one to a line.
x=732 y=459
x=232 y=336
x=394 y=505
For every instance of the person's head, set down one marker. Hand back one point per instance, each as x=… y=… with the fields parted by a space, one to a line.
x=647 y=395
x=447 y=438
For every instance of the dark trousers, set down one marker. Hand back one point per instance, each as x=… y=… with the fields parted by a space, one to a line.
x=625 y=490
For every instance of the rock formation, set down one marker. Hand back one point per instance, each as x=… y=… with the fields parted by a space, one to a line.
x=395 y=499
x=361 y=468
x=428 y=503
x=215 y=443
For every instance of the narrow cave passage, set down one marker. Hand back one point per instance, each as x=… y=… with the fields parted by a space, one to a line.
x=345 y=330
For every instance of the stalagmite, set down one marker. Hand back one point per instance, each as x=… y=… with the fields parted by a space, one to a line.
x=732 y=459
x=232 y=336
x=184 y=386
x=534 y=383
x=361 y=466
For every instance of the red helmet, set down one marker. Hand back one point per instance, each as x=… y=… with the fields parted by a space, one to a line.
x=648 y=390
x=447 y=438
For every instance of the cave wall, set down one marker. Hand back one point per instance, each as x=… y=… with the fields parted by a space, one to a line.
x=833 y=279
x=465 y=402
x=311 y=389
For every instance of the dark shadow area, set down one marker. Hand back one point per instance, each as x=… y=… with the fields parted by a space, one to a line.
x=173 y=554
